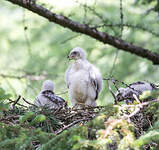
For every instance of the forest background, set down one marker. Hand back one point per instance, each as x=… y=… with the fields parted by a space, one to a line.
x=33 y=49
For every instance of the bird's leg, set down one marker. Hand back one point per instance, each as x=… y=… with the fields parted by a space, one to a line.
x=81 y=105
x=78 y=106
x=90 y=102
x=75 y=106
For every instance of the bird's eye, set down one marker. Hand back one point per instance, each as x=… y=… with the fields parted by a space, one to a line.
x=74 y=53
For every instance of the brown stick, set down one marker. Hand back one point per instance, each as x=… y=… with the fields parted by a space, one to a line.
x=11 y=101
x=85 y=29
x=28 y=102
x=70 y=125
x=17 y=100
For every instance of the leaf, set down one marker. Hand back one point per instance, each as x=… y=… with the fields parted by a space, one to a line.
x=3 y=106
x=3 y=94
x=27 y=116
x=38 y=119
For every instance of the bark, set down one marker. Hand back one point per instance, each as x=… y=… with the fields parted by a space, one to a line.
x=85 y=29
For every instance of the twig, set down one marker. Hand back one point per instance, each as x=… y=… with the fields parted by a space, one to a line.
x=16 y=100
x=28 y=102
x=141 y=104
x=11 y=101
x=115 y=80
x=68 y=39
x=27 y=76
x=136 y=98
x=89 y=108
x=109 y=87
x=137 y=109
x=62 y=93
x=70 y=125
x=28 y=44
x=137 y=26
x=132 y=114
x=121 y=17
x=8 y=118
x=51 y=129
x=12 y=76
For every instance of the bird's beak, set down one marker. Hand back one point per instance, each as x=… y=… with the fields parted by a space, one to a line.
x=68 y=57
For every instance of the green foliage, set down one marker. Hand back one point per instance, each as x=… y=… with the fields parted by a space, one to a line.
x=152 y=136
x=35 y=117
x=38 y=119
x=148 y=2
x=18 y=138
x=149 y=95
x=35 y=50
x=27 y=115
x=108 y=131
x=3 y=97
x=40 y=53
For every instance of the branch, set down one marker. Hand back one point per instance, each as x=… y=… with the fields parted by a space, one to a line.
x=27 y=76
x=137 y=26
x=28 y=102
x=87 y=30
x=12 y=101
x=70 y=125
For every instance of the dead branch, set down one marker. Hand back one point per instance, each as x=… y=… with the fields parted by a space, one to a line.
x=141 y=104
x=125 y=116
x=137 y=107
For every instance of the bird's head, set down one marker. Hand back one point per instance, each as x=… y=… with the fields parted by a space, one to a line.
x=77 y=53
x=48 y=85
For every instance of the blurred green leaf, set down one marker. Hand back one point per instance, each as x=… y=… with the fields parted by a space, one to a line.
x=38 y=119
x=27 y=115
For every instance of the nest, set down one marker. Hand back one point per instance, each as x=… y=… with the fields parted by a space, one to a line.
x=63 y=118
x=57 y=120
x=142 y=121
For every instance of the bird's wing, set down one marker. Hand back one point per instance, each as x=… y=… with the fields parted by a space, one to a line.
x=52 y=97
x=67 y=76
x=37 y=101
x=96 y=79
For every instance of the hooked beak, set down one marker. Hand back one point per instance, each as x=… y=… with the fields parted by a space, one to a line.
x=68 y=57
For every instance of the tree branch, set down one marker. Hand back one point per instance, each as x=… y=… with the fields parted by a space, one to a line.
x=27 y=76
x=85 y=29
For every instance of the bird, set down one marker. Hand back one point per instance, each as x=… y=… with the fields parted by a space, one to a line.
x=83 y=79
x=46 y=97
x=136 y=88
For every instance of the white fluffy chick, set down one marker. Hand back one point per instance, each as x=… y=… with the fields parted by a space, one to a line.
x=83 y=79
x=47 y=97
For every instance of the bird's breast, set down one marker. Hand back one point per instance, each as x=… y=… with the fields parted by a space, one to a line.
x=79 y=83
x=79 y=76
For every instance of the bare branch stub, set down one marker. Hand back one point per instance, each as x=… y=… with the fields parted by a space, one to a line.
x=87 y=30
